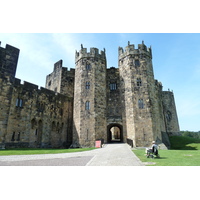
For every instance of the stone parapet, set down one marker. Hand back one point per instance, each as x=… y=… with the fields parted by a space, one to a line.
x=130 y=50
x=94 y=53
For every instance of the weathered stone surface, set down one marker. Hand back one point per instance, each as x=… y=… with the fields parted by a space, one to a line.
x=81 y=105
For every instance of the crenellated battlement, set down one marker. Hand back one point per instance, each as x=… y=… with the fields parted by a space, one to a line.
x=130 y=50
x=32 y=87
x=94 y=53
x=10 y=48
x=70 y=72
x=26 y=85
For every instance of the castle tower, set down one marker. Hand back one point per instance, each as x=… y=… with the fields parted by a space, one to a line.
x=89 y=97
x=170 y=114
x=138 y=95
x=61 y=80
x=8 y=65
x=8 y=61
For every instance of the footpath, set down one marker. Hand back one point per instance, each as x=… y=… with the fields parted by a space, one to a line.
x=116 y=154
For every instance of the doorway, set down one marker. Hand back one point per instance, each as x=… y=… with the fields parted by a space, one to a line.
x=115 y=133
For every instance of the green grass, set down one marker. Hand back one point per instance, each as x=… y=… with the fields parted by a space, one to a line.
x=172 y=157
x=31 y=151
x=185 y=151
x=184 y=143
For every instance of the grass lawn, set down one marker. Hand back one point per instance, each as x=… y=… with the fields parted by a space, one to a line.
x=172 y=157
x=185 y=151
x=30 y=151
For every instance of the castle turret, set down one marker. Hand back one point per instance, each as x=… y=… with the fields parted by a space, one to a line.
x=89 y=97
x=8 y=61
x=170 y=114
x=8 y=65
x=61 y=80
x=138 y=94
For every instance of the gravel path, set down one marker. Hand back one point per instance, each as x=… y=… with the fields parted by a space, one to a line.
x=110 y=155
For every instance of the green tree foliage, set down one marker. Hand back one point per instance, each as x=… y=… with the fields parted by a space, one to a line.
x=191 y=134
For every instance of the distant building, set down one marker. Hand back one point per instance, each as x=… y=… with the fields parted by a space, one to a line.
x=91 y=102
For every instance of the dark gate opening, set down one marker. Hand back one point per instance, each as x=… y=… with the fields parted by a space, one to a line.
x=115 y=133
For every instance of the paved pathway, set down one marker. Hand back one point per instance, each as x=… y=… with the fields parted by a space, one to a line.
x=115 y=155
x=110 y=155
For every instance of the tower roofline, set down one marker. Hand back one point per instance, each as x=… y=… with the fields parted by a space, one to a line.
x=9 y=47
x=130 y=49
x=94 y=52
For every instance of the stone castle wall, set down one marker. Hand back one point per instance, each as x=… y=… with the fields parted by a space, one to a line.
x=5 y=101
x=87 y=103
x=35 y=117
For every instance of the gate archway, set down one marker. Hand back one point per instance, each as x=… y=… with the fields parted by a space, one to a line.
x=114 y=133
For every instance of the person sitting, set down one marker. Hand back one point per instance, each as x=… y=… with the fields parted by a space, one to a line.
x=152 y=150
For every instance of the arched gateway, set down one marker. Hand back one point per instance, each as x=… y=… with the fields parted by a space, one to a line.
x=114 y=133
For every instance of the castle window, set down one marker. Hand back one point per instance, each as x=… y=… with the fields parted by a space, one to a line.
x=13 y=137
x=113 y=86
x=168 y=116
x=88 y=66
x=87 y=133
x=137 y=63
x=87 y=105
x=40 y=107
x=87 y=85
x=140 y=104
x=18 y=137
x=61 y=111
x=19 y=102
x=139 y=82
x=49 y=83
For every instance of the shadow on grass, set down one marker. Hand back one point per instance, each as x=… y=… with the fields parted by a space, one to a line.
x=184 y=143
x=158 y=158
x=161 y=158
x=185 y=148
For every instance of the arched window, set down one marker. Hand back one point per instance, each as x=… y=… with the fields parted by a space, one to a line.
x=87 y=105
x=13 y=137
x=53 y=127
x=18 y=137
x=33 y=123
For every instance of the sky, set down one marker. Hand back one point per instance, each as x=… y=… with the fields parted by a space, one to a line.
x=176 y=61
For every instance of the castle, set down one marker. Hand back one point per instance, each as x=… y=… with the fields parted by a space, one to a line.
x=91 y=102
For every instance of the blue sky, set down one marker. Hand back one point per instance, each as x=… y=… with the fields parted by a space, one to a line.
x=176 y=61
